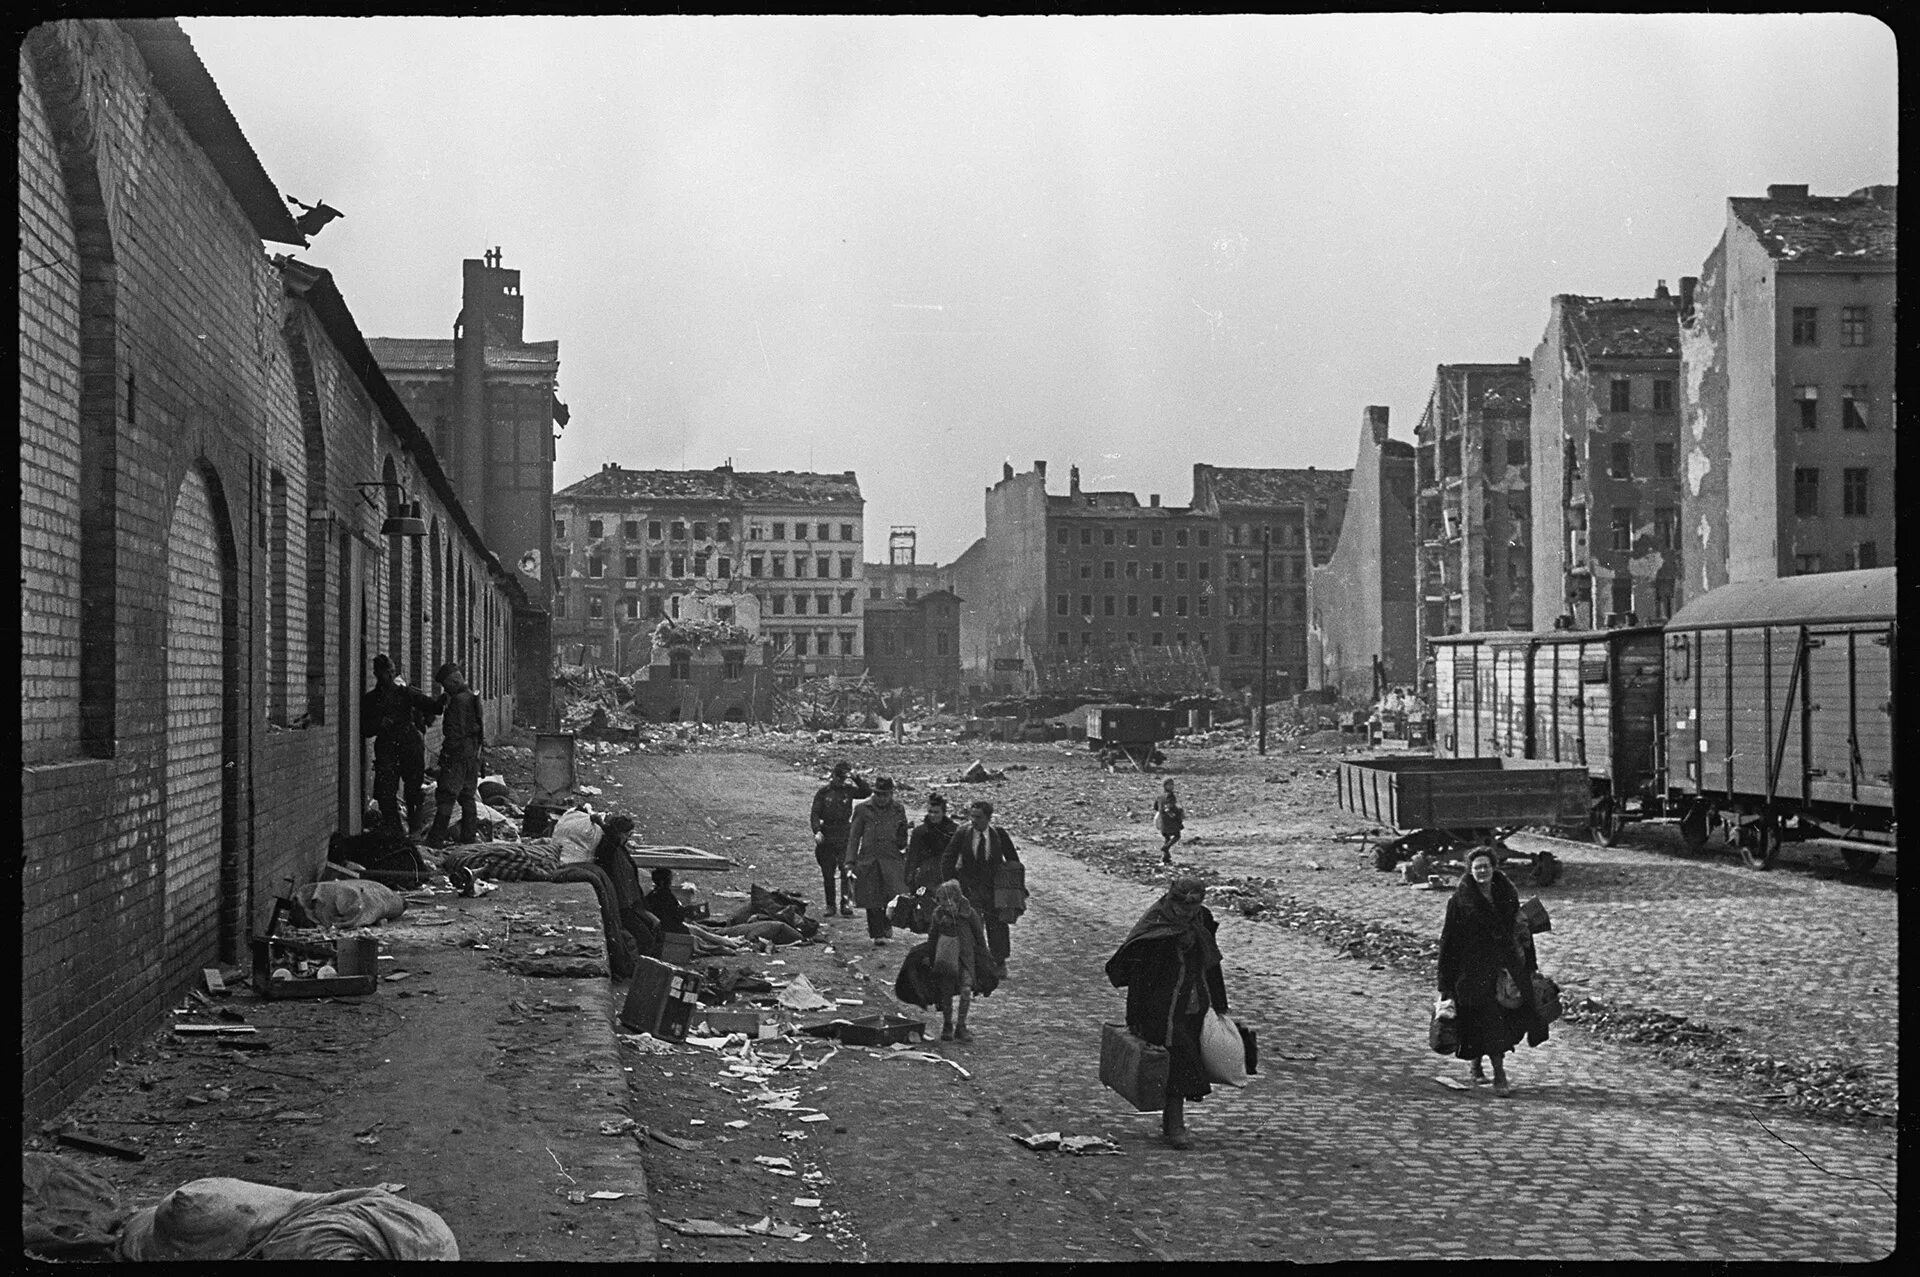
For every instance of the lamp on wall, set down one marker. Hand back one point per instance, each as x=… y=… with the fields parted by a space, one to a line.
x=405 y=520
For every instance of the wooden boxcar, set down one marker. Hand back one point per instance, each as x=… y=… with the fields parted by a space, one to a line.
x=1587 y=697
x=1780 y=714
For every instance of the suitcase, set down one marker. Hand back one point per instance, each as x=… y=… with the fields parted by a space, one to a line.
x=1134 y=1067
x=1009 y=890
x=655 y=984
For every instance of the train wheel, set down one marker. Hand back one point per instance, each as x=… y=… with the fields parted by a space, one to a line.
x=1759 y=844
x=1546 y=869
x=1859 y=861
x=1604 y=825
x=1693 y=828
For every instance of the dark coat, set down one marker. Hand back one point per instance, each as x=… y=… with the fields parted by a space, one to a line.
x=1479 y=939
x=393 y=715
x=833 y=809
x=926 y=848
x=975 y=873
x=1161 y=984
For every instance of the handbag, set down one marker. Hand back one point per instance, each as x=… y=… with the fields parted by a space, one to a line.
x=946 y=958
x=1535 y=916
x=1546 y=995
x=1250 y=1040
x=900 y=912
x=1506 y=991
x=1443 y=1030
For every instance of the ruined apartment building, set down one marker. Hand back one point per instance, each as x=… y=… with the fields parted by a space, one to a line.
x=1096 y=589
x=1787 y=359
x=631 y=547
x=903 y=576
x=914 y=643
x=487 y=399
x=1473 y=502
x=1272 y=527
x=1606 y=479
x=1361 y=628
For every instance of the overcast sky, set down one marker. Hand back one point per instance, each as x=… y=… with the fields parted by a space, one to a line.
x=918 y=247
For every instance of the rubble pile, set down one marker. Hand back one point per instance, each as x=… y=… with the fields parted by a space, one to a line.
x=595 y=702
x=830 y=702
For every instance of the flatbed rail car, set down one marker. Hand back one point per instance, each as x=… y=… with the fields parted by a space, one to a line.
x=1779 y=717
x=1471 y=800
x=1586 y=697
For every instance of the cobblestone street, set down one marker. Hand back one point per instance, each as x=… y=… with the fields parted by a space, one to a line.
x=1347 y=1147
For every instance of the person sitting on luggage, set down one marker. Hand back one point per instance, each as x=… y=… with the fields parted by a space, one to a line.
x=664 y=902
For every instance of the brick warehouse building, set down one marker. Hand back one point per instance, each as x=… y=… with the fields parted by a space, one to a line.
x=488 y=400
x=631 y=547
x=1788 y=357
x=208 y=455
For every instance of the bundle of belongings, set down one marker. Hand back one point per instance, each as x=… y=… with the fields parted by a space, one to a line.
x=70 y=1213
x=351 y=902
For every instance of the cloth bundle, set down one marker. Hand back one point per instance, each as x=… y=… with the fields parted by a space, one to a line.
x=351 y=902
x=218 y=1218
x=531 y=861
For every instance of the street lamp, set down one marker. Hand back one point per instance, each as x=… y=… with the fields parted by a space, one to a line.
x=1266 y=591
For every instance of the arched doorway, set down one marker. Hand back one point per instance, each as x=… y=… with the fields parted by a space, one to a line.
x=200 y=881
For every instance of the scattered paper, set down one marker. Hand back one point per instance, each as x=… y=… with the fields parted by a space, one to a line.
x=850 y=1002
x=739 y=1122
x=1452 y=1083
x=1039 y=1143
x=1087 y=1145
x=605 y=1195
x=800 y=995
x=704 y=1228
x=816 y=1117
x=808 y=1202
x=768 y=1226
x=620 y=1127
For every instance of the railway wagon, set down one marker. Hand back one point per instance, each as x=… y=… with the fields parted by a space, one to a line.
x=1586 y=697
x=1780 y=714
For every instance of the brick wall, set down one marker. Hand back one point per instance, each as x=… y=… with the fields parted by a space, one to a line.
x=169 y=789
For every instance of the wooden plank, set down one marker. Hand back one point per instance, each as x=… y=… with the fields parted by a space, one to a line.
x=676 y=858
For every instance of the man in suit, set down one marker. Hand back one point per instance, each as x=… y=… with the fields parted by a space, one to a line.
x=973 y=855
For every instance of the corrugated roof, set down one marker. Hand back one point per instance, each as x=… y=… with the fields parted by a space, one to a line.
x=413 y=354
x=1792 y=600
x=720 y=484
x=1814 y=228
x=1622 y=328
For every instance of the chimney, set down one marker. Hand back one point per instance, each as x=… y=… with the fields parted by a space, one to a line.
x=1377 y=423
x=1006 y=470
x=1784 y=192
x=1660 y=291
x=1040 y=468
x=1153 y=499
x=1073 y=481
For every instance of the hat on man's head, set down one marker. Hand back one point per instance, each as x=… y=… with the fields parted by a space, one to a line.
x=842 y=767
x=883 y=784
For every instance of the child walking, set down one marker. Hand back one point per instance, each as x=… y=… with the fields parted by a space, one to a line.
x=1168 y=817
x=961 y=962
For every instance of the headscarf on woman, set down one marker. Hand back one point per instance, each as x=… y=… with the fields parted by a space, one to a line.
x=1169 y=965
x=1177 y=915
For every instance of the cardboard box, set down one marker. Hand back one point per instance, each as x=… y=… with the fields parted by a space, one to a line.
x=655 y=984
x=1134 y=1067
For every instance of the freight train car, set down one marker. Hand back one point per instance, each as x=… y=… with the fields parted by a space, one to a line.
x=1589 y=697
x=1780 y=714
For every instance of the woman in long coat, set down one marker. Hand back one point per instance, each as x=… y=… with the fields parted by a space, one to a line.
x=1169 y=965
x=1482 y=937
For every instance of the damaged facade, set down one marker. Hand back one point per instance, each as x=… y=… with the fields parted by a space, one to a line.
x=1361 y=626
x=1787 y=357
x=488 y=402
x=1473 y=501
x=1301 y=513
x=209 y=457
x=914 y=643
x=1606 y=479
x=631 y=547
x=1095 y=589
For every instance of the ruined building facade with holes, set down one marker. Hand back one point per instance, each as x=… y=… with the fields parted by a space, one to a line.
x=1605 y=427
x=633 y=548
x=1787 y=350
x=210 y=463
